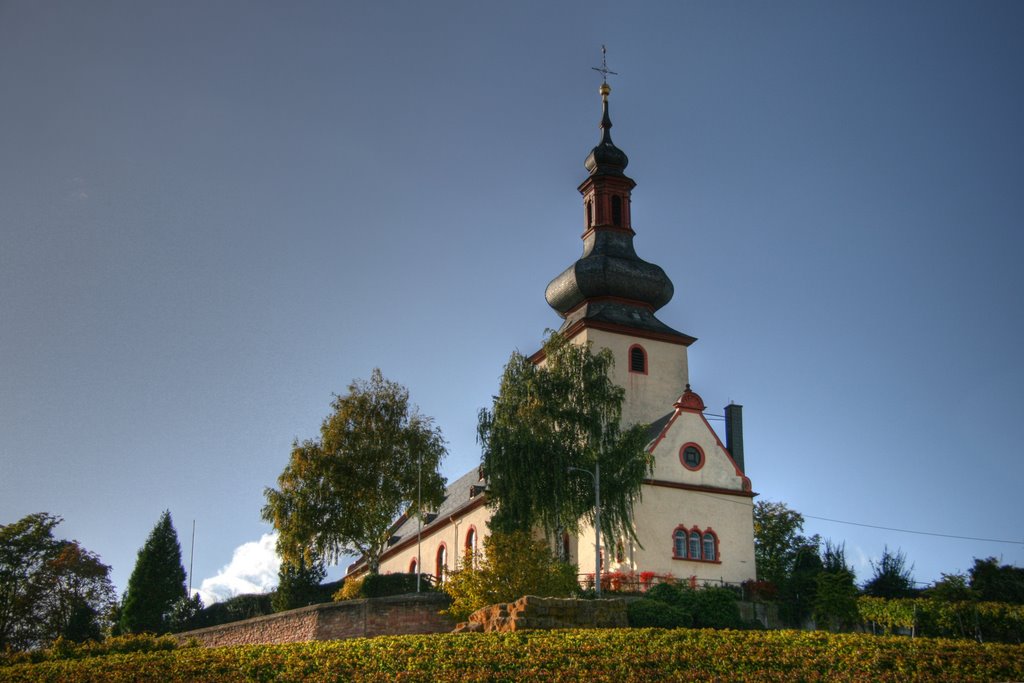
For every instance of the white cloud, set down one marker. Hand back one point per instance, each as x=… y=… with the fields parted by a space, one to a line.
x=253 y=569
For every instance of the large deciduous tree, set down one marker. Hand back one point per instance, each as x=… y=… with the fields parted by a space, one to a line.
x=778 y=541
x=341 y=493
x=49 y=588
x=547 y=422
x=156 y=583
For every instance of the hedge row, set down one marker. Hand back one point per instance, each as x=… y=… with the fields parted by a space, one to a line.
x=985 y=621
x=571 y=655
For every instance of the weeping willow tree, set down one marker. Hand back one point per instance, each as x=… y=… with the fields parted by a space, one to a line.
x=546 y=424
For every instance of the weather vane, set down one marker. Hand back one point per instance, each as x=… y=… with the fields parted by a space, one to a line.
x=603 y=69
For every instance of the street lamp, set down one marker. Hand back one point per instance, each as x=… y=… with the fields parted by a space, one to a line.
x=419 y=519
x=596 y=476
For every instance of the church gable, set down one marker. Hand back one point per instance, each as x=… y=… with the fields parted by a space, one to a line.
x=688 y=452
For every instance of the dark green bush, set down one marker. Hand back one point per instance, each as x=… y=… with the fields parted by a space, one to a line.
x=652 y=613
x=716 y=608
x=381 y=585
x=233 y=609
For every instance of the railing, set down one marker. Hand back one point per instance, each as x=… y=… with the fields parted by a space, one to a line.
x=631 y=582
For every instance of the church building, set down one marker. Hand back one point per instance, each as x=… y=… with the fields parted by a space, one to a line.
x=694 y=519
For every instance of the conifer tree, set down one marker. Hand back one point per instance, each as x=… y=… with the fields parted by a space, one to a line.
x=156 y=583
x=298 y=584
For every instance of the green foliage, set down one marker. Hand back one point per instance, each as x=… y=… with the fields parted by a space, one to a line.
x=513 y=565
x=997 y=583
x=799 y=590
x=341 y=494
x=709 y=607
x=983 y=621
x=184 y=612
x=778 y=541
x=553 y=418
x=672 y=594
x=156 y=583
x=892 y=577
x=49 y=588
x=835 y=604
x=951 y=588
x=620 y=655
x=235 y=608
x=63 y=649
x=298 y=584
x=645 y=613
x=382 y=585
x=716 y=608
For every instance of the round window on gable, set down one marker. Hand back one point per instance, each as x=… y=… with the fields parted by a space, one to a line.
x=691 y=456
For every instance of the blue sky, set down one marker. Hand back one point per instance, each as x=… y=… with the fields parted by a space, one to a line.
x=215 y=215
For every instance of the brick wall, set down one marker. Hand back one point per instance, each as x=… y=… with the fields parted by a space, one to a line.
x=394 y=615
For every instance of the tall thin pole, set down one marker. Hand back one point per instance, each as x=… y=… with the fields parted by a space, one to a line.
x=596 y=476
x=597 y=528
x=419 y=520
x=191 y=555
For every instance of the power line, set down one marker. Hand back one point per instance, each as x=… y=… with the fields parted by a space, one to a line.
x=874 y=526
x=911 y=531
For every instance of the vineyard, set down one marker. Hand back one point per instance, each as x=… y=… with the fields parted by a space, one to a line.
x=569 y=655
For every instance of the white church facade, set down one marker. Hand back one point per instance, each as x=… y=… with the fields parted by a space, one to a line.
x=694 y=520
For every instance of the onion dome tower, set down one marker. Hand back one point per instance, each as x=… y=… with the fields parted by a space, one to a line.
x=610 y=287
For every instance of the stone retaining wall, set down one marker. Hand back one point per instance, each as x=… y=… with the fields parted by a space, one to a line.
x=531 y=611
x=394 y=615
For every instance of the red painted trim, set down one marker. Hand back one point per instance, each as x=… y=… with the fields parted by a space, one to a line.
x=703 y=458
x=629 y=359
x=433 y=527
x=441 y=569
x=739 y=472
x=700 y=539
x=697 y=487
x=718 y=548
x=578 y=326
x=606 y=227
x=611 y=299
x=686 y=539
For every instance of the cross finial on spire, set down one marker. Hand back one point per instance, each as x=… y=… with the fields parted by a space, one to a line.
x=603 y=69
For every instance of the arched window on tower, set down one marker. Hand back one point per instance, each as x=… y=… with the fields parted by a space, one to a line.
x=637 y=359
x=590 y=213
x=616 y=210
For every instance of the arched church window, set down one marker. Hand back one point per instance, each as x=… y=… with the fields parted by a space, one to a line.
x=471 y=542
x=695 y=545
x=590 y=213
x=637 y=359
x=709 y=547
x=679 y=544
x=442 y=563
x=616 y=210
x=412 y=566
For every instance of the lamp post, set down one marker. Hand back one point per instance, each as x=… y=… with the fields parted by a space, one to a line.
x=419 y=520
x=596 y=476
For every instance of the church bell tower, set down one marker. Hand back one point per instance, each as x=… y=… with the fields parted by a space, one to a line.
x=609 y=296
